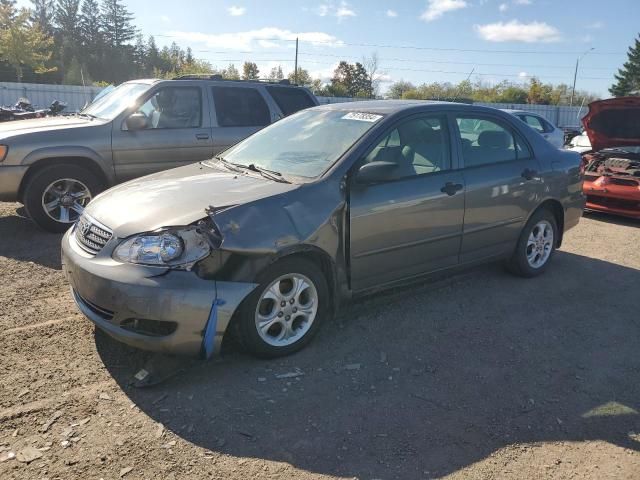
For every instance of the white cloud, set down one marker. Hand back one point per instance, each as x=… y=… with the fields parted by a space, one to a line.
x=437 y=8
x=236 y=11
x=392 y=13
x=522 y=2
x=523 y=74
x=503 y=7
x=165 y=19
x=515 y=31
x=264 y=37
x=340 y=11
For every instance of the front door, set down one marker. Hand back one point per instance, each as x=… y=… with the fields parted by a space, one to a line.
x=412 y=223
x=502 y=185
x=177 y=132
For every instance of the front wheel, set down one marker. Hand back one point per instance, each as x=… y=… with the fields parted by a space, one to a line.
x=285 y=311
x=536 y=245
x=56 y=196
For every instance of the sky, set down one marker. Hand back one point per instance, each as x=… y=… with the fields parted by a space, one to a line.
x=415 y=40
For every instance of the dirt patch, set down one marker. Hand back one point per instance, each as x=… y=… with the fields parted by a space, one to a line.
x=480 y=376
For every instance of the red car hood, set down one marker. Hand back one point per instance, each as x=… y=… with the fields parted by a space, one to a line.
x=613 y=123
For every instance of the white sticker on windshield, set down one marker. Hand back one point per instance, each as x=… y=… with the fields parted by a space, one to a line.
x=363 y=117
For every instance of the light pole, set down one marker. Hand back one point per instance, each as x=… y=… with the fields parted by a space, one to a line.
x=575 y=74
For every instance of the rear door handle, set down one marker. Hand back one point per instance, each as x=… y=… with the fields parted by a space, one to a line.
x=529 y=174
x=202 y=136
x=451 y=188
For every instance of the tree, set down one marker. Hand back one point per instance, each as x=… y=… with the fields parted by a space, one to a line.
x=372 y=66
x=9 y=9
x=397 y=89
x=23 y=45
x=628 y=77
x=231 y=73
x=250 y=71
x=67 y=30
x=539 y=93
x=276 y=74
x=43 y=15
x=117 y=24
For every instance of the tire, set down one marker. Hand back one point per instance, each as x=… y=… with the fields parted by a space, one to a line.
x=521 y=263
x=263 y=302
x=48 y=184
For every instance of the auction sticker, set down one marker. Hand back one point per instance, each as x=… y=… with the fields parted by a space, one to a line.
x=362 y=117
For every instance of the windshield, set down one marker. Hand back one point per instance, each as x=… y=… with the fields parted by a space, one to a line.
x=305 y=144
x=113 y=103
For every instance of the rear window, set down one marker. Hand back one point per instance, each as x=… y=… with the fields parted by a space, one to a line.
x=240 y=107
x=290 y=100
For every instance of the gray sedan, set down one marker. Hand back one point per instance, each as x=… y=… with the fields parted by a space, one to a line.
x=544 y=127
x=267 y=240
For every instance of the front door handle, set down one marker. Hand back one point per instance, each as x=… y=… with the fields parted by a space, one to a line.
x=202 y=136
x=451 y=188
x=529 y=174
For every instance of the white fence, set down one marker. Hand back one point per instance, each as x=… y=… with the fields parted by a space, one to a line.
x=41 y=96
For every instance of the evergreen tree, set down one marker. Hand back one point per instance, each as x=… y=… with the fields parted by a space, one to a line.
x=628 y=77
x=250 y=71
x=43 y=14
x=67 y=33
x=152 y=57
x=117 y=23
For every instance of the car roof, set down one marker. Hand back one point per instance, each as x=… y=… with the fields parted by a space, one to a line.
x=389 y=107
x=513 y=112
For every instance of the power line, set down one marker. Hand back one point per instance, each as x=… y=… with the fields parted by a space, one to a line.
x=340 y=43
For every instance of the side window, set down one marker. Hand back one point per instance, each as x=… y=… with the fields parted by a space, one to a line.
x=485 y=142
x=289 y=99
x=173 y=107
x=240 y=107
x=417 y=146
x=534 y=122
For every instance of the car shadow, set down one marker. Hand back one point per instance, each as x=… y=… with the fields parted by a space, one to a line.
x=17 y=233
x=425 y=380
x=614 y=219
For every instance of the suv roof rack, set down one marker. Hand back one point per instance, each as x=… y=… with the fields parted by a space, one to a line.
x=218 y=77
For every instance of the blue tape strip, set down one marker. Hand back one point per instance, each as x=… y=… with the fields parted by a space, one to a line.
x=208 y=342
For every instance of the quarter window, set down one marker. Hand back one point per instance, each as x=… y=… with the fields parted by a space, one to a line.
x=173 y=107
x=240 y=107
x=290 y=100
x=418 y=146
x=485 y=142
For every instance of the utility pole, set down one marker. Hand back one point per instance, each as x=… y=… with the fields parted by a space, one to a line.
x=575 y=74
x=295 y=68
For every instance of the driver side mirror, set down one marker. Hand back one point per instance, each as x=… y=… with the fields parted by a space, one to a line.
x=376 y=172
x=137 y=121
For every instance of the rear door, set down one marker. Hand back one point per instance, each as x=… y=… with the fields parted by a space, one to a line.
x=238 y=112
x=289 y=99
x=411 y=224
x=178 y=132
x=502 y=181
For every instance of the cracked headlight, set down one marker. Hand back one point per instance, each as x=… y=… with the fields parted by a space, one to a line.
x=166 y=248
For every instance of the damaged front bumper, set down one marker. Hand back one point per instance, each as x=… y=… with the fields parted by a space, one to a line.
x=151 y=308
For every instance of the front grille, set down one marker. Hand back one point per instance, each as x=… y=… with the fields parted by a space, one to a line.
x=625 y=182
x=90 y=235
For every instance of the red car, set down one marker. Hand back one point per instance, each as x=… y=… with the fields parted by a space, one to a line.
x=612 y=168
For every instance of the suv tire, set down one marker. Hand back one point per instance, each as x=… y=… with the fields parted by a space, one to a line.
x=536 y=245
x=55 y=196
x=293 y=294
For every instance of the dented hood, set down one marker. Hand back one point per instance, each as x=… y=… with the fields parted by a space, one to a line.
x=613 y=123
x=177 y=197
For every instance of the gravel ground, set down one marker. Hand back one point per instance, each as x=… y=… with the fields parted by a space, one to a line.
x=482 y=375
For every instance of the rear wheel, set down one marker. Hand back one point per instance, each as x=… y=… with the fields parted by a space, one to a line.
x=285 y=311
x=56 y=196
x=536 y=245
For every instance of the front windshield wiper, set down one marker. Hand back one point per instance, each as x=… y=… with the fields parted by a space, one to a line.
x=88 y=115
x=266 y=173
x=230 y=166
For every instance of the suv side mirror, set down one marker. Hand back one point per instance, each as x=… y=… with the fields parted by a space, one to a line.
x=137 y=121
x=376 y=172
